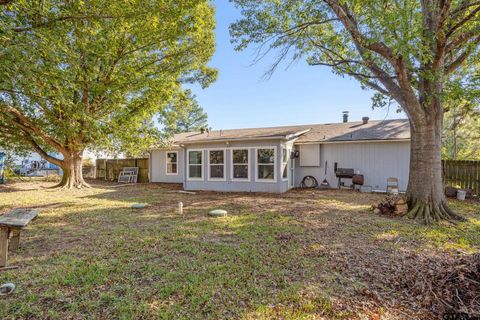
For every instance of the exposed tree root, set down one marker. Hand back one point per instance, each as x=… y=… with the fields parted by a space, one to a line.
x=70 y=184
x=429 y=213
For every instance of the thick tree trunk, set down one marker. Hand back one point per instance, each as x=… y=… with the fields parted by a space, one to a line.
x=425 y=195
x=72 y=172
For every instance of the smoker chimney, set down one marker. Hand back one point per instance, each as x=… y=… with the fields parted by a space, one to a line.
x=202 y=130
x=365 y=120
x=345 y=116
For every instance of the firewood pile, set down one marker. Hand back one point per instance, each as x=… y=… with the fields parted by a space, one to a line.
x=393 y=204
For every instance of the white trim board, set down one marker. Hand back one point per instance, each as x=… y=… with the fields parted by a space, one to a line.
x=288 y=150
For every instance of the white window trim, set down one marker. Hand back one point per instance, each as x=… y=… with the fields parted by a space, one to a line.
x=286 y=163
x=224 y=164
x=188 y=165
x=275 y=161
x=232 y=164
x=166 y=163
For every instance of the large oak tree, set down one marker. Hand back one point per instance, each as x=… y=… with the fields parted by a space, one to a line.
x=405 y=50
x=83 y=74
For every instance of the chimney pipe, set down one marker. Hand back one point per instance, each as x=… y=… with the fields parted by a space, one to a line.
x=365 y=120
x=345 y=116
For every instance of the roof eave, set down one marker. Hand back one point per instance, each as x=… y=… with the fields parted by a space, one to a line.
x=353 y=141
x=229 y=139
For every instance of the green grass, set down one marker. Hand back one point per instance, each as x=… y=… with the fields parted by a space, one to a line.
x=89 y=255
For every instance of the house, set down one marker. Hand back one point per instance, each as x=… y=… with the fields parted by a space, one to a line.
x=277 y=159
x=35 y=166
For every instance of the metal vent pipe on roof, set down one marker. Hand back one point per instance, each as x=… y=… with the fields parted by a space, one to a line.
x=345 y=116
x=365 y=120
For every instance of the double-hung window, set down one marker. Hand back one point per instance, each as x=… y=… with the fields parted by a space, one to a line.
x=285 y=163
x=216 y=164
x=266 y=164
x=172 y=161
x=240 y=166
x=195 y=165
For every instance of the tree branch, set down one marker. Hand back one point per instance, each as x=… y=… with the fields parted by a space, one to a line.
x=461 y=39
x=28 y=127
x=52 y=21
x=464 y=6
x=462 y=22
x=350 y=24
x=42 y=152
x=363 y=43
x=463 y=56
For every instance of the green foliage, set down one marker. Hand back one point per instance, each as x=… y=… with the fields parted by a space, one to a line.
x=77 y=74
x=461 y=130
x=183 y=115
x=386 y=45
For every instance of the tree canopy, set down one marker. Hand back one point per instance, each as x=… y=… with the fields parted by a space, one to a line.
x=461 y=132
x=183 y=115
x=77 y=74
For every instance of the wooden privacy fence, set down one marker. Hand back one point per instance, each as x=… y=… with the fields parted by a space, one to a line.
x=109 y=169
x=89 y=171
x=462 y=173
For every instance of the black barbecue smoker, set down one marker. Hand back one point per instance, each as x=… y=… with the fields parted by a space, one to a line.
x=348 y=173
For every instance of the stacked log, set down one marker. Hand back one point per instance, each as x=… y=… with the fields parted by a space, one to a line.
x=391 y=205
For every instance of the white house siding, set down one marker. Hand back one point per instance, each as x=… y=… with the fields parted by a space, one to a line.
x=230 y=185
x=375 y=160
x=158 y=171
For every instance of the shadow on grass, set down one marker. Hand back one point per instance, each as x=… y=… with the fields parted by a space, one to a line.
x=126 y=264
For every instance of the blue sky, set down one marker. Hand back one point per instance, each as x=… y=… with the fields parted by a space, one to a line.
x=300 y=94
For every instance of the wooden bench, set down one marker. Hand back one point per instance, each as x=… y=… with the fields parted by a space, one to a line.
x=10 y=226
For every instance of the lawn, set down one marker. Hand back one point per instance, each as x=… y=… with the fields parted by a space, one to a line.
x=301 y=255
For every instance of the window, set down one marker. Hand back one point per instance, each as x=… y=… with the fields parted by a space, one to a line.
x=195 y=169
x=284 y=163
x=172 y=158
x=266 y=164
x=216 y=164
x=240 y=166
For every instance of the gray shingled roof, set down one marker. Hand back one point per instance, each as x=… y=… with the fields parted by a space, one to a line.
x=330 y=132
x=355 y=131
